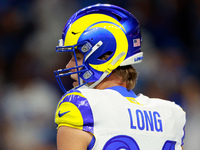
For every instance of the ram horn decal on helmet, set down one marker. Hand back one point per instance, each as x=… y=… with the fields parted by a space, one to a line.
x=98 y=30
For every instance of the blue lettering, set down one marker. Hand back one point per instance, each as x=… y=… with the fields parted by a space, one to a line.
x=157 y=121
x=131 y=119
x=138 y=58
x=149 y=120
x=145 y=120
x=140 y=119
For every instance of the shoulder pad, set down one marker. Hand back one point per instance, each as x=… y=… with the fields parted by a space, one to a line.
x=74 y=110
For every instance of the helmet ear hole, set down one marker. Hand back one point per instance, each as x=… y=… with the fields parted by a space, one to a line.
x=105 y=56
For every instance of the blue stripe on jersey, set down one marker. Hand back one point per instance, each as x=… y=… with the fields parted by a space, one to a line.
x=123 y=91
x=75 y=97
x=182 y=143
x=91 y=145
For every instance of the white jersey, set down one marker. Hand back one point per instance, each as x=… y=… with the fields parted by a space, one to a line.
x=119 y=119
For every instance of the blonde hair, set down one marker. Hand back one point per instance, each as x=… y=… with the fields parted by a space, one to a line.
x=126 y=74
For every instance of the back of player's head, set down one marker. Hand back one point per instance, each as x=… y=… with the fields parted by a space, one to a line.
x=100 y=30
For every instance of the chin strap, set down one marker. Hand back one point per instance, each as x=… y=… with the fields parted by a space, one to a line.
x=110 y=68
x=94 y=48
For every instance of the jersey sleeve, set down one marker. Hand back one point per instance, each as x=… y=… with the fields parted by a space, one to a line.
x=181 y=121
x=74 y=111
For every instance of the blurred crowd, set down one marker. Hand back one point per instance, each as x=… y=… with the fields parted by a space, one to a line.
x=29 y=31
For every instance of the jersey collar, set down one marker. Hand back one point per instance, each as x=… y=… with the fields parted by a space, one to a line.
x=123 y=91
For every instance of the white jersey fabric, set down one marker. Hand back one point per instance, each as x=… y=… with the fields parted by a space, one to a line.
x=120 y=120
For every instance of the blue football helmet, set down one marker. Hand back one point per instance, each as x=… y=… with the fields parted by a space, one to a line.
x=97 y=30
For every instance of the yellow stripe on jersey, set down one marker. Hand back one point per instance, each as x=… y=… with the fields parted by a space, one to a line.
x=67 y=113
x=133 y=100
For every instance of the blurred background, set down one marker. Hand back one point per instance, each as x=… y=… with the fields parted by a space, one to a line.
x=29 y=31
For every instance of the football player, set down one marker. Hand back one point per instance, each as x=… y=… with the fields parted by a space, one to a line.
x=102 y=112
